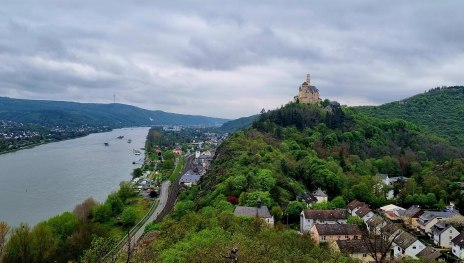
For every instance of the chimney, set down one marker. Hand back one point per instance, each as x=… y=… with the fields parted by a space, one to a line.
x=308 y=78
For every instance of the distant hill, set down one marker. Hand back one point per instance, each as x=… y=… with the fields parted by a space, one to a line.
x=52 y=113
x=440 y=110
x=238 y=124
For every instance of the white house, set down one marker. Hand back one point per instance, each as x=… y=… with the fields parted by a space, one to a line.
x=320 y=196
x=310 y=217
x=443 y=234
x=405 y=244
x=365 y=213
x=457 y=247
x=428 y=219
x=354 y=206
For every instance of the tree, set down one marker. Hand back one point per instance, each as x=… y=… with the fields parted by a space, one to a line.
x=294 y=209
x=129 y=216
x=98 y=249
x=83 y=210
x=276 y=211
x=355 y=220
x=137 y=172
x=44 y=243
x=19 y=248
x=338 y=202
x=263 y=180
x=4 y=229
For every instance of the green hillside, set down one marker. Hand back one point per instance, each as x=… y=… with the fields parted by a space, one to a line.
x=292 y=150
x=238 y=124
x=440 y=110
x=52 y=113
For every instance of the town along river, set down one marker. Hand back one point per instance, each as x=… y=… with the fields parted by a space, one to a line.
x=47 y=180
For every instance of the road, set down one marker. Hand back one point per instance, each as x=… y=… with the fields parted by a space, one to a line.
x=174 y=191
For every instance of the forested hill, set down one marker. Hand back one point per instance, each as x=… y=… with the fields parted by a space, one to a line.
x=300 y=148
x=288 y=152
x=440 y=110
x=52 y=113
x=238 y=124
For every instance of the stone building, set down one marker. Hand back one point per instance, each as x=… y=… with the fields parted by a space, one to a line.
x=308 y=94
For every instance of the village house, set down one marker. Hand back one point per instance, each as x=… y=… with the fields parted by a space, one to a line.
x=321 y=196
x=189 y=178
x=430 y=254
x=410 y=216
x=365 y=213
x=333 y=232
x=354 y=206
x=386 y=182
x=309 y=217
x=406 y=244
x=428 y=219
x=362 y=249
x=392 y=212
x=390 y=231
x=317 y=196
x=261 y=212
x=443 y=234
x=375 y=224
x=457 y=246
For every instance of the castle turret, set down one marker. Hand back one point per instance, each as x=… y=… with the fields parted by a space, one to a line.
x=308 y=79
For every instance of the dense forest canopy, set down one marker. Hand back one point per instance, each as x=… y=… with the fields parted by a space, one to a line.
x=440 y=110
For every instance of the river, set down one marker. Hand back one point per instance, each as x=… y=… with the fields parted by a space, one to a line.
x=44 y=181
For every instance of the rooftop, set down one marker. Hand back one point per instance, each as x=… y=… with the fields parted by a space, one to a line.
x=325 y=214
x=363 y=211
x=413 y=211
x=459 y=241
x=429 y=253
x=405 y=239
x=354 y=204
x=189 y=177
x=319 y=193
x=359 y=246
x=262 y=212
x=337 y=229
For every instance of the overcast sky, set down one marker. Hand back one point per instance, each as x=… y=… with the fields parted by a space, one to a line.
x=227 y=58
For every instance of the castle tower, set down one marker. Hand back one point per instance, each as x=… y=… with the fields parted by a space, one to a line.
x=308 y=94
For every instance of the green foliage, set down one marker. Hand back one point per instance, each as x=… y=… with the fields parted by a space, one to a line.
x=294 y=209
x=137 y=172
x=438 y=111
x=263 y=180
x=63 y=225
x=129 y=216
x=182 y=208
x=338 y=202
x=251 y=198
x=59 y=113
x=99 y=247
x=355 y=220
x=152 y=227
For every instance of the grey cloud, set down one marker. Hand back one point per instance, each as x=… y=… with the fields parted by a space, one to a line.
x=227 y=59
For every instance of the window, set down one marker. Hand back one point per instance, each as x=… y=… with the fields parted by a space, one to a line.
x=322 y=237
x=414 y=247
x=364 y=255
x=347 y=237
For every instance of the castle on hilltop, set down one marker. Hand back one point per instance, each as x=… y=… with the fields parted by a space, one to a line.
x=308 y=94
